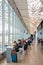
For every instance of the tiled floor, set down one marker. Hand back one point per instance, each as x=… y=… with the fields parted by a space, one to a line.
x=34 y=56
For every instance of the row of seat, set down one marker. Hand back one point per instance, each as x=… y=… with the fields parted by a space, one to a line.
x=19 y=49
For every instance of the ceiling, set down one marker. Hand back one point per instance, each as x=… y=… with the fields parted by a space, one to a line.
x=31 y=12
x=23 y=8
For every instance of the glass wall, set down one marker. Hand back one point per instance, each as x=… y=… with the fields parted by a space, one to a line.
x=6 y=23
x=40 y=32
x=11 y=27
x=0 y=25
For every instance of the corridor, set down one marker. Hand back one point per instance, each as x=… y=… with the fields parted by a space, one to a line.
x=21 y=23
x=34 y=56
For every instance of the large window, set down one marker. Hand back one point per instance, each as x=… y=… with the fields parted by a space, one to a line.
x=11 y=27
x=6 y=24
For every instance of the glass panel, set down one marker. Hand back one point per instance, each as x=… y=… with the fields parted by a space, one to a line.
x=6 y=41
x=6 y=24
x=0 y=43
x=11 y=21
x=10 y=39
x=6 y=19
x=0 y=25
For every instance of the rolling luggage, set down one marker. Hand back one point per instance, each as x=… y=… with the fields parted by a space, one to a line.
x=14 y=56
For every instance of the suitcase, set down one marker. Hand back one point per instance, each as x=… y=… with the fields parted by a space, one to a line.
x=14 y=57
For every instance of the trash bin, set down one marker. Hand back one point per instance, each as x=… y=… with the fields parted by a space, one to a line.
x=8 y=55
x=14 y=56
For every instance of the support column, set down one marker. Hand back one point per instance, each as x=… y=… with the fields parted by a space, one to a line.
x=3 y=24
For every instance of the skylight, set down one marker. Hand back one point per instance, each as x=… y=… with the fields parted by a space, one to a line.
x=35 y=10
x=33 y=7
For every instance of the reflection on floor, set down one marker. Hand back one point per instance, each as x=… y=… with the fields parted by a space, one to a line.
x=34 y=57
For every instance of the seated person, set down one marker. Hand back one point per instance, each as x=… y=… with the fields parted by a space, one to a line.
x=19 y=43
x=14 y=43
x=29 y=41
x=25 y=45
